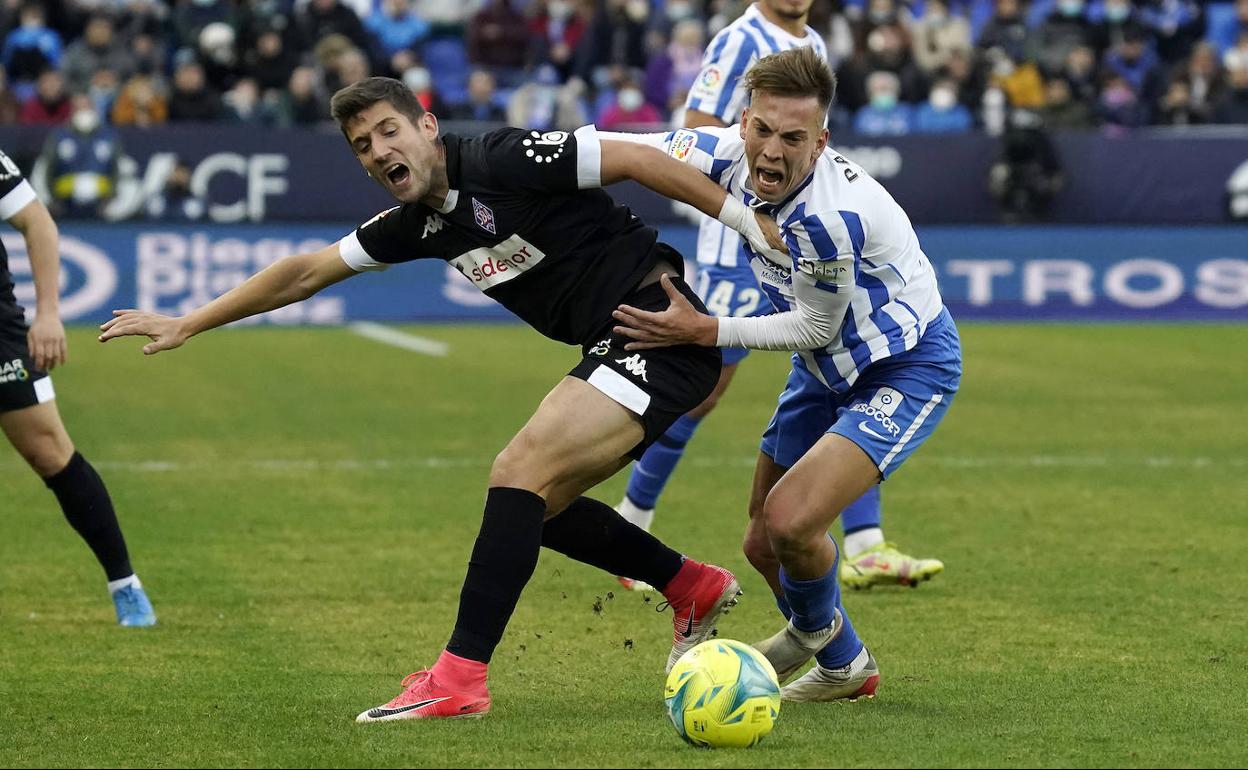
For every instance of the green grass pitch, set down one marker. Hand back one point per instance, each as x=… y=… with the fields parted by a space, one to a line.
x=301 y=504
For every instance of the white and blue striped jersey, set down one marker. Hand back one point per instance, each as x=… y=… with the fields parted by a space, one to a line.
x=718 y=92
x=854 y=288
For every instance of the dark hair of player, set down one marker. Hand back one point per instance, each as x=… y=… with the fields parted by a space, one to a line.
x=795 y=72
x=357 y=97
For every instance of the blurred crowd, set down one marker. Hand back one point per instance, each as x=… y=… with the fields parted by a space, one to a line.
x=903 y=67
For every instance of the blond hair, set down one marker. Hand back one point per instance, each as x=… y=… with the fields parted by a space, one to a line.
x=795 y=72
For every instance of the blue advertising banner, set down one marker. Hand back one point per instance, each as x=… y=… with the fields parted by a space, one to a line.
x=238 y=174
x=1009 y=273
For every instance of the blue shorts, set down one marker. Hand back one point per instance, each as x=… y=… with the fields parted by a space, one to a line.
x=890 y=410
x=732 y=291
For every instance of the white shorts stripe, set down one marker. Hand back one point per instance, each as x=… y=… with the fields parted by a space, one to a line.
x=44 y=391
x=617 y=387
x=909 y=434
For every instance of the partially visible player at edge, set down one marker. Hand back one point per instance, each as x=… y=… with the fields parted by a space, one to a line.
x=28 y=411
x=519 y=213
x=727 y=285
x=878 y=358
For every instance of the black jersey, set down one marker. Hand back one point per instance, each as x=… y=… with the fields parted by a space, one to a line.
x=526 y=223
x=15 y=193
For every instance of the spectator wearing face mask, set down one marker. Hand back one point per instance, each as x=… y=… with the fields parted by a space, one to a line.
x=630 y=109
x=420 y=82
x=942 y=113
x=77 y=170
x=884 y=114
x=1117 y=16
x=937 y=36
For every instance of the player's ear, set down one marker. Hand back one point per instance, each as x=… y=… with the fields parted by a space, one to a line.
x=822 y=143
x=429 y=125
x=745 y=118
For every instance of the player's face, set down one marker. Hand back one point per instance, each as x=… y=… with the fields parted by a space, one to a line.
x=784 y=136
x=400 y=155
x=794 y=10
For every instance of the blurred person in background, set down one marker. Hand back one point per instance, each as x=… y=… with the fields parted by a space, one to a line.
x=556 y=31
x=192 y=100
x=937 y=35
x=140 y=104
x=887 y=49
x=245 y=106
x=1175 y=27
x=543 y=104
x=1062 y=110
x=1063 y=30
x=630 y=109
x=1117 y=16
x=498 y=39
x=49 y=105
x=1082 y=73
x=1206 y=80
x=303 y=102
x=1007 y=30
x=616 y=36
x=270 y=62
x=481 y=104
x=175 y=202
x=353 y=66
x=77 y=170
x=10 y=107
x=28 y=413
x=191 y=16
x=322 y=18
x=218 y=55
x=420 y=82
x=98 y=49
x=447 y=18
x=1028 y=174
x=30 y=49
x=1232 y=106
x=396 y=26
x=673 y=70
x=1133 y=60
x=884 y=114
x=1120 y=107
x=1020 y=81
x=1176 y=108
x=942 y=113
x=103 y=89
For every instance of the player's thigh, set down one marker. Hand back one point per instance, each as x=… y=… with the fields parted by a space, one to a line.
x=39 y=436
x=808 y=498
x=757 y=544
x=576 y=433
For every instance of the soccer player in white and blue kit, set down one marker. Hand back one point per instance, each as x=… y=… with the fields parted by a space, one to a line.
x=727 y=285
x=878 y=358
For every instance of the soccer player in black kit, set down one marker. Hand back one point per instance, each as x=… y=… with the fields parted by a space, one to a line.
x=519 y=213
x=28 y=411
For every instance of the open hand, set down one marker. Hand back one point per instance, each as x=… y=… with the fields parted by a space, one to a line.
x=679 y=324
x=166 y=333
x=46 y=340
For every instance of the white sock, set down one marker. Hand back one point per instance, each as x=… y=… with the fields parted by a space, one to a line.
x=857 y=542
x=641 y=517
x=116 y=585
x=857 y=663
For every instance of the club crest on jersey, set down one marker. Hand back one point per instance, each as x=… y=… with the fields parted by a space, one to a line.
x=683 y=142
x=484 y=216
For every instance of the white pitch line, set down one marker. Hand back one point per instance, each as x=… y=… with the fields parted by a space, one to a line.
x=398 y=339
x=276 y=464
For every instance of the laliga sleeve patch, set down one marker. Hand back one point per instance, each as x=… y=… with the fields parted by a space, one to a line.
x=837 y=272
x=683 y=142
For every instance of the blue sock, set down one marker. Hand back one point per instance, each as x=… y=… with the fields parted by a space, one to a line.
x=651 y=473
x=863 y=513
x=783 y=604
x=812 y=603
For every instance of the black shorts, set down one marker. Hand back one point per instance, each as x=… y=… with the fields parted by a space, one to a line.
x=21 y=384
x=658 y=385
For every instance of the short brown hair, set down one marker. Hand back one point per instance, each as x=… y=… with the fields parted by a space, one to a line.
x=357 y=97
x=795 y=72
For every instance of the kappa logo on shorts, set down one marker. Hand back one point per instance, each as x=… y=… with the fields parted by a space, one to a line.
x=14 y=371
x=636 y=366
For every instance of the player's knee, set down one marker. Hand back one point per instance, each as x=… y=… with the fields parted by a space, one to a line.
x=787 y=530
x=757 y=549
x=46 y=453
x=520 y=466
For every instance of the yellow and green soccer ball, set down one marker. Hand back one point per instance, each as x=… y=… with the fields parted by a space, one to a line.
x=722 y=693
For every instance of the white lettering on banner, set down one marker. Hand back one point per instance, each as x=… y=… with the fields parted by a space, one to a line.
x=176 y=273
x=979 y=275
x=1043 y=277
x=140 y=189
x=1223 y=283
x=98 y=282
x=1169 y=280
x=489 y=267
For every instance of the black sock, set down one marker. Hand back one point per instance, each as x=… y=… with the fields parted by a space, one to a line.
x=593 y=532
x=84 y=499
x=503 y=560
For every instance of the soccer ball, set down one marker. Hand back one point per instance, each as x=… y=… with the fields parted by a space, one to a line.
x=722 y=693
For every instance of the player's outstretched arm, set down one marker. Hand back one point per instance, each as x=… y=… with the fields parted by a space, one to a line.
x=649 y=166
x=284 y=282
